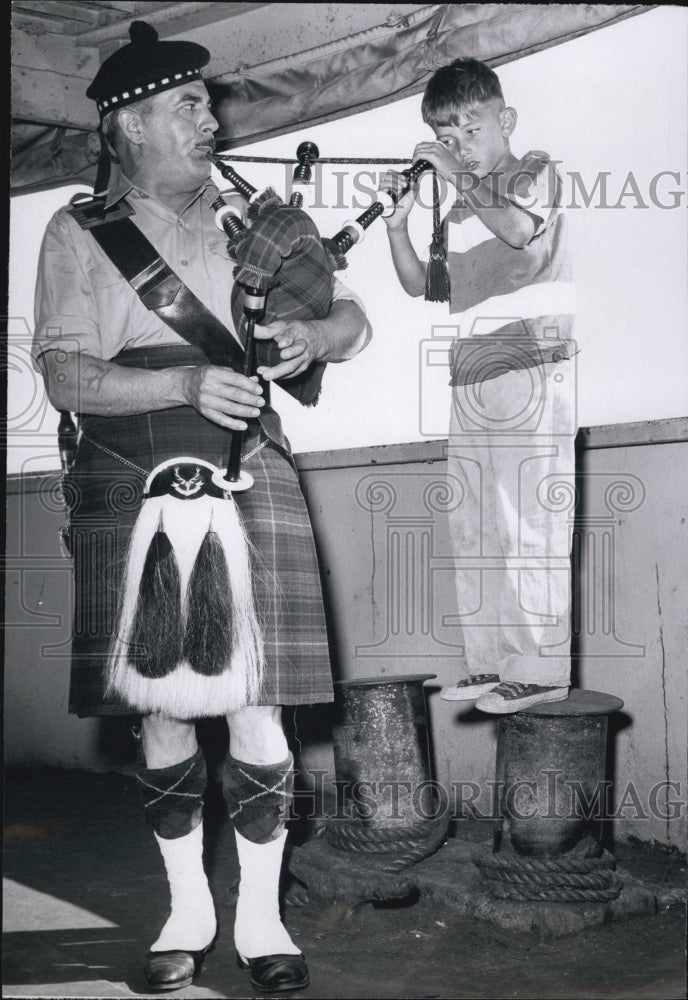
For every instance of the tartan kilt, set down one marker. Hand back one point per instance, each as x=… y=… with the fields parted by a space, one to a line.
x=105 y=494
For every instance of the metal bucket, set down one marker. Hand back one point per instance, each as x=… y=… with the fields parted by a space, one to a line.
x=551 y=770
x=381 y=752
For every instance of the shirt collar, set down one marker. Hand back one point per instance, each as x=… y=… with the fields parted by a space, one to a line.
x=120 y=186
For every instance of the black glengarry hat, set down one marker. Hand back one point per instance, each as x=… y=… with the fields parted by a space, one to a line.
x=145 y=67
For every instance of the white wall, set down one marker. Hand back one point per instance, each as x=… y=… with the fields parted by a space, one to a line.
x=614 y=101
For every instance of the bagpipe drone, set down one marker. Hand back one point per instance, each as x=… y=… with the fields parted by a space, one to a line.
x=188 y=641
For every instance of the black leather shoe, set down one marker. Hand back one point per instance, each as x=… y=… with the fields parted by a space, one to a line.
x=173 y=970
x=276 y=973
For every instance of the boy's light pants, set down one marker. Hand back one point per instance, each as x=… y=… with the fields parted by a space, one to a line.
x=511 y=448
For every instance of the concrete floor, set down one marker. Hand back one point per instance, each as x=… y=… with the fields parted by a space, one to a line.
x=85 y=894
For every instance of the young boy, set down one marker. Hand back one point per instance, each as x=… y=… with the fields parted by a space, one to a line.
x=512 y=428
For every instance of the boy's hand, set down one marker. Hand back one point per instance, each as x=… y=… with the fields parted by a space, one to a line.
x=446 y=165
x=394 y=182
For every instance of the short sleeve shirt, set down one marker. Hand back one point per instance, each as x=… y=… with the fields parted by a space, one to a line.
x=513 y=306
x=82 y=301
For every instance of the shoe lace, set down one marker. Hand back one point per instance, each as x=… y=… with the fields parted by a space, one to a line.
x=513 y=687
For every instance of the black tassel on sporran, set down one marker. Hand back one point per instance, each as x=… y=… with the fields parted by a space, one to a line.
x=156 y=634
x=208 y=637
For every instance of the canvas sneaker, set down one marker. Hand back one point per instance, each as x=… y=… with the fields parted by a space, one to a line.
x=512 y=696
x=470 y=688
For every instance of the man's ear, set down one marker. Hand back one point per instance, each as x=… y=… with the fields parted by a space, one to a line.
x=508 y=119
x=130 y=124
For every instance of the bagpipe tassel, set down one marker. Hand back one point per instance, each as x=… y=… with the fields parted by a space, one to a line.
x=437 y=275
x=191 y=648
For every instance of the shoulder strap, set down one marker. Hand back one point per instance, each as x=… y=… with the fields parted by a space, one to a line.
x=164 y=292
x=159 y=288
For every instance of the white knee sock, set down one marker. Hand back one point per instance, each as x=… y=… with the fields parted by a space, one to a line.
x=192 y=924
x=258 y=929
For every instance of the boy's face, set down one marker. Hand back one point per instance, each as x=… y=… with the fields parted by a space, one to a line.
x=481 y=139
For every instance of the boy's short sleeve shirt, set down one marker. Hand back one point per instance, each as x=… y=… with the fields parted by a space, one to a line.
x=535 y=187
x=513 y=307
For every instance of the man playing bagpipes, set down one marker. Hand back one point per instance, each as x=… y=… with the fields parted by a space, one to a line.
x=190 y=601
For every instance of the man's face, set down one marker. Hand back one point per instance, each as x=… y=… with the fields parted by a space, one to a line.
x=480 y=140
x=177 y=135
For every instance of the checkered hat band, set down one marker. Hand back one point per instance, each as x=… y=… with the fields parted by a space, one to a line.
x=146 y=90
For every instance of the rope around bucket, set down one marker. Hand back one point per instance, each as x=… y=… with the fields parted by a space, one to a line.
x=395 y=848
x=561 y=880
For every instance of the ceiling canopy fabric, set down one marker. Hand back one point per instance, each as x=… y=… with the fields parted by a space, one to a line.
x=368 y=69
x=376 y=68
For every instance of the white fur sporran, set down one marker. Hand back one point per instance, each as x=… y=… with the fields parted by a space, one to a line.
x=187 y=642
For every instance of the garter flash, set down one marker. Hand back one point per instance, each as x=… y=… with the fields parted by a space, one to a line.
x=187 y=643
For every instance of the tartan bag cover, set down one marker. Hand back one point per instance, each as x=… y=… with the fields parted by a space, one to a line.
x=282 y=254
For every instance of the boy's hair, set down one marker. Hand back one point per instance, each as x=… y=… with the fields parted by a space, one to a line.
x=459 y=88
